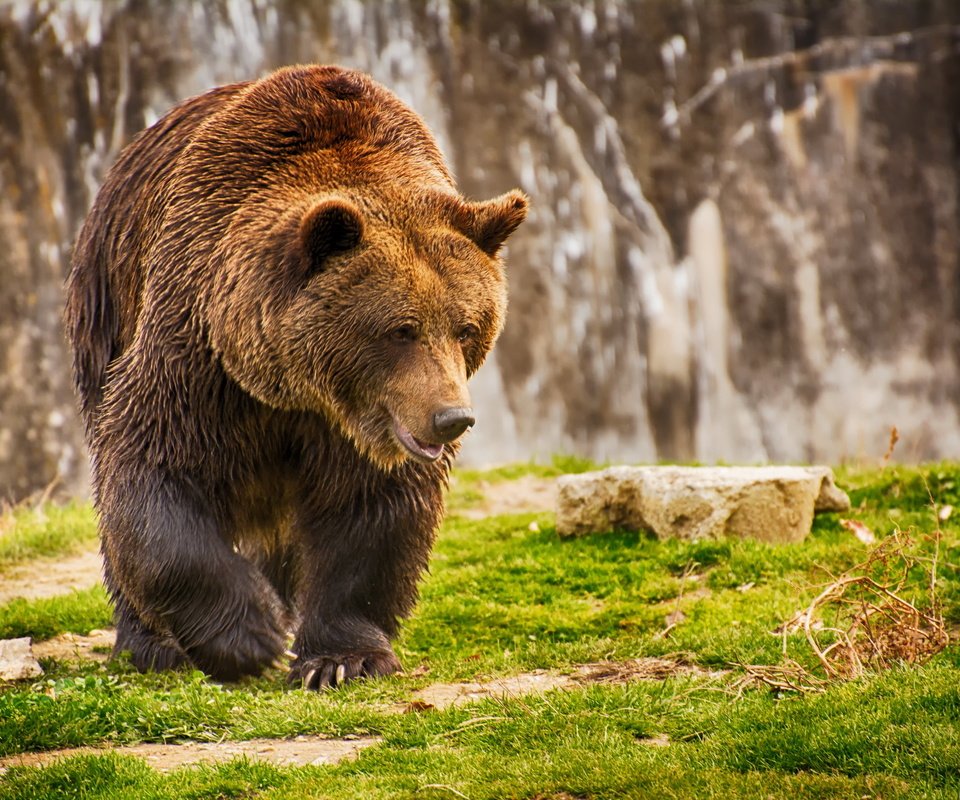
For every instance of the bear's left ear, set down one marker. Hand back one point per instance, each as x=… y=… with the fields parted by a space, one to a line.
x=331 y=226
x=489 y=223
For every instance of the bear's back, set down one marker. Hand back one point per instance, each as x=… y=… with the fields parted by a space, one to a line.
x=108 y=269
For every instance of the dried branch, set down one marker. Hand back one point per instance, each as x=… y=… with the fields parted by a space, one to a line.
x=786 y=677
x=849 y=51
x=875 y=626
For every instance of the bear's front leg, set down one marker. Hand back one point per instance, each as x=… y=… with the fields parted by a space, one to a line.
x=359 y=578
x=169 y=562
x=339 y=639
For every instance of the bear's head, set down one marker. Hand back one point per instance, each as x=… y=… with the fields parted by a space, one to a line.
x=392 y=319
x=356 y=282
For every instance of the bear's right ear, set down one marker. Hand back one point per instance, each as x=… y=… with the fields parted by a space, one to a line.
x=490 y=222
x=333 y=225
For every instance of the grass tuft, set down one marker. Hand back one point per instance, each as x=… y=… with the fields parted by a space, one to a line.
x=78 y=612
x=33 y=531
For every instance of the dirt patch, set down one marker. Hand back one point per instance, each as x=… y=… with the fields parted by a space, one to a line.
x=640 y=669
x=299 y=752
x=50 y=577
x=444 y=695
x=74 y=647
x=519 y=496
x=561 y=796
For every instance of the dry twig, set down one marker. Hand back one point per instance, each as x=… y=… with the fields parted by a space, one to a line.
x=872 y=624
x=894 y=438
x=786 y=677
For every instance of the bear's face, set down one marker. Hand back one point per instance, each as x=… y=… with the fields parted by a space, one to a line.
x=376 y=318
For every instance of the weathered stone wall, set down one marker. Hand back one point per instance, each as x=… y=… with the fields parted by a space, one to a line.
x=744 y=240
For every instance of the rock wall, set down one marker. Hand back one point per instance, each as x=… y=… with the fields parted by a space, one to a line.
x=744 y=239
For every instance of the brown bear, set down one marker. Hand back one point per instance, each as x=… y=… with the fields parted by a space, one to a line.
x=274 y=307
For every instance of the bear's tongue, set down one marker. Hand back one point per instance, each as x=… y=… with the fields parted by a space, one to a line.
x=422 y=450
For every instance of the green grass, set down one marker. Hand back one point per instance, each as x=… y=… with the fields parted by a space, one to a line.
x=120 y=706
x=77 y=612
x=892 y=735
x=28 y=532
x=505 y=596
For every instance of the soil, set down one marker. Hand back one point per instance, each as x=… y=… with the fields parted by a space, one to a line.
x=523 y=495
x=443 y=695
x=301 y=751
x=74 y=647
x=48 y=577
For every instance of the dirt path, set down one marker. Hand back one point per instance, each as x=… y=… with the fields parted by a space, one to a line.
x=49 y=577
x=74 y=647
x=300 y=751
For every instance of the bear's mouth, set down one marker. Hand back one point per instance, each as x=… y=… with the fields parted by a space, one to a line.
x=422 y=451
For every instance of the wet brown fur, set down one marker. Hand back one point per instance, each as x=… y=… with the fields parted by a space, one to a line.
x=270 y=276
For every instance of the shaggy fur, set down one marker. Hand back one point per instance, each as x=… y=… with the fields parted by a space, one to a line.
x=276 y=294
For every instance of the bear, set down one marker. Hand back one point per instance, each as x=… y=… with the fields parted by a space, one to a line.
x=274 y=306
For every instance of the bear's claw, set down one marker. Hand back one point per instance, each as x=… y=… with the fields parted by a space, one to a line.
x=329 y=672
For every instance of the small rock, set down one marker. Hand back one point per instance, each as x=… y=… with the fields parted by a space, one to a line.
x=831 y=497
x=772 y=504
x=16 y=660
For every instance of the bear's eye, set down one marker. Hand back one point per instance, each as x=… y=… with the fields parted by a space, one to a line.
x=467 y=333
x=405 y=333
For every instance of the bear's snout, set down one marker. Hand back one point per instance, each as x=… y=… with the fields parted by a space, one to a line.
x=445 y=426
x=450 y=423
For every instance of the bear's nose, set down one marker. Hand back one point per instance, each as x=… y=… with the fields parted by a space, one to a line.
x=449 y=423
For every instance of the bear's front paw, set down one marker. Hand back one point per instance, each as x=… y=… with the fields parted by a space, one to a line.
x=335 y=669
x=238 y=651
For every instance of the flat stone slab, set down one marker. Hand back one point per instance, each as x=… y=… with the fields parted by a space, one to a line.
x=772 y=504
